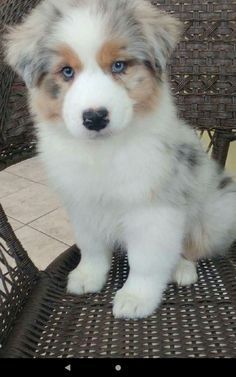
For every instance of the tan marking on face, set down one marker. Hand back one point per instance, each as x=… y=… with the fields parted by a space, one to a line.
x=138 y=79
x=70 y=58
x=47 y=99
x=110 y=52
x=142 y=86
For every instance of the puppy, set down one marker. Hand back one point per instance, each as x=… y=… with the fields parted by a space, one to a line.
x=127 y=168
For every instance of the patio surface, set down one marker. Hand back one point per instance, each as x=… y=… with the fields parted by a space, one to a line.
x=35 y=212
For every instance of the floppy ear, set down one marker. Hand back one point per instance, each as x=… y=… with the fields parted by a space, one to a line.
x=162 y=30
x=25 y=49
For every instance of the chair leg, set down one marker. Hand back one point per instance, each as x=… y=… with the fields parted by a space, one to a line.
x=221 y=146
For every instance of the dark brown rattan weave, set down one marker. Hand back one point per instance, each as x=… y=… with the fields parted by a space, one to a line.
x=17 y=136
x=202 y=73
x=203 y=68
x=17 y=277
x=197 y=321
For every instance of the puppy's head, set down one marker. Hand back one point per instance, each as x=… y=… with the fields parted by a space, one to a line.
x=95 y=65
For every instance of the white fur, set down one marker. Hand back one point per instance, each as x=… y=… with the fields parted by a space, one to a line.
x=106 y=185
x=125 y=183
x=84 y=32
x=98 y=91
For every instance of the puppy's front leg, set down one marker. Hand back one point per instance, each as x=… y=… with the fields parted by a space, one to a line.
x=154 y=240
x=91 y=274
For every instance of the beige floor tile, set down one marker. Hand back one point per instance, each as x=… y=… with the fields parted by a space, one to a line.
x=57 y=225
x=31 y=203
x=30 y=169
x=40 y=248
x=15 y=224
x=9 y=184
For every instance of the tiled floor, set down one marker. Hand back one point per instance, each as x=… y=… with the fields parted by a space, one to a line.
x=35 y=212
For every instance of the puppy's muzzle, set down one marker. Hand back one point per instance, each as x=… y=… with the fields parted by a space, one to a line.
x=96 y=120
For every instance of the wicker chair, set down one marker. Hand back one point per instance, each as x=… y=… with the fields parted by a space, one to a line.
x=39 y=320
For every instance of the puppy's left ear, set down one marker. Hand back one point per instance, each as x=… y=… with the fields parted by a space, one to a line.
x=25 y=49
x=162 y=30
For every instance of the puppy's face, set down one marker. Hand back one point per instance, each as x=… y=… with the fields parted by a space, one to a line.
x=93 y=66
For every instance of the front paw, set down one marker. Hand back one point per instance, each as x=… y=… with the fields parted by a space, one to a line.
x=185 y=273
x=132 y=306
x=86 y=280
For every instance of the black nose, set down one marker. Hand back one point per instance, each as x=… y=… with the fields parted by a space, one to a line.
x=96 y=120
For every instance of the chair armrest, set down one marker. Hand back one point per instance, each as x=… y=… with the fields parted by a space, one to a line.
x=18 y=275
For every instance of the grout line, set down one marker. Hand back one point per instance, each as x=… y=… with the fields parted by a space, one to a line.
x=30 y=225
x=40 y=217
x=49 y=236
x=26 y=178
x=12 y=218
x=18 y=190
x=30 y=222
x=24 y=188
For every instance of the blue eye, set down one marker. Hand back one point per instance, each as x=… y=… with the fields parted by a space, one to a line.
x=119 y=67
x=68 y=73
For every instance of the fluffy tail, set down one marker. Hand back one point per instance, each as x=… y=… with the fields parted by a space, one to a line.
x=215 y=230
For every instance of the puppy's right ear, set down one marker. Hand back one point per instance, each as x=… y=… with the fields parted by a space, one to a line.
x=162 y=31
x=25 y=49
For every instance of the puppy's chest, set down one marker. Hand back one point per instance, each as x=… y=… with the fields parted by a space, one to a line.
x=112 y=181
x=104 y=183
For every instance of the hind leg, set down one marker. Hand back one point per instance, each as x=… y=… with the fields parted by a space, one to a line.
x=212 y=234
x=185 y=273
x=215 y=229
x=220 y=221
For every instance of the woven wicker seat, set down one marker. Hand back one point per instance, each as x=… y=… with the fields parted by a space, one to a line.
x=37 y=317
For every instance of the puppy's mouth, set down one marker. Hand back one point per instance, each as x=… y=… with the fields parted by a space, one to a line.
x=102 y=134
